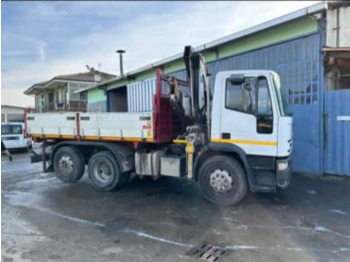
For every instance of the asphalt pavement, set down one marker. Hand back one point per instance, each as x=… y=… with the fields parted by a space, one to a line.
x=44 y=219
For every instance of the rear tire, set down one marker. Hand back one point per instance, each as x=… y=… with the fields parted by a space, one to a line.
x=104 y=172
x=222 y=180
x=69 y=164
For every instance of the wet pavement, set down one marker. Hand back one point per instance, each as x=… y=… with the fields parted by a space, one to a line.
x=44 y=219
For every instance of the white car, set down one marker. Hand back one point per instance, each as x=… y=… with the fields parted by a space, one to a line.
x=12 y=135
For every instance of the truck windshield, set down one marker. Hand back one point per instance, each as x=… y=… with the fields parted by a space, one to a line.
x=11 y=129
x=281 y=103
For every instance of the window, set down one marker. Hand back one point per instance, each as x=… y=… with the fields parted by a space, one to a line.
x=58 y=97
x=83 y=85
x=239 y=98
x=11 y=129
x=264 y=116
x=73 y=87
x=338 y=74
x=83 y=96
x=277 y=88
x=264 y=102
x=16 y=129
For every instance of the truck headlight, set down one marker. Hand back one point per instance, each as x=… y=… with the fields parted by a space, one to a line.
x=282 y=166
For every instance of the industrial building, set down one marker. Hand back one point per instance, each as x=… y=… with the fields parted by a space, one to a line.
x=309 y=49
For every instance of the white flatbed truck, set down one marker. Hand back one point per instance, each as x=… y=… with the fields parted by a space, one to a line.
x=237 y=137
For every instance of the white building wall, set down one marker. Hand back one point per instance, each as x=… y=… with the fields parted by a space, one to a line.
x=12 y=114
x=344 y=27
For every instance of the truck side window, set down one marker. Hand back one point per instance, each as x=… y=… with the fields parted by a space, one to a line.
x=264 y=114
x=238 y=98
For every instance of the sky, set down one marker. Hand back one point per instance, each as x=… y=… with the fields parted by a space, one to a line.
x=42 y=39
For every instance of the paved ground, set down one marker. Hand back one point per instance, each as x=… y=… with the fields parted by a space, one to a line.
x=46 y=220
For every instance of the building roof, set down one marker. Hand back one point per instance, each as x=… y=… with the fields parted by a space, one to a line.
x=88 y=76
x=15 y=107
x=316 y=8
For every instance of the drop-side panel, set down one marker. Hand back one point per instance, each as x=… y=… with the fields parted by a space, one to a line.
x=54 y=124
x=92 y=126
x=118 y=126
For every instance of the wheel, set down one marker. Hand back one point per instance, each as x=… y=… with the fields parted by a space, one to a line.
x=68 y=164
x=222 y=180
x=29 y=147
x=104 y=172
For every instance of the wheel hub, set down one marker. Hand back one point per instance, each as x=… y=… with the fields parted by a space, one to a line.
x=221 y=181
x=103 y=172
x=66 y=164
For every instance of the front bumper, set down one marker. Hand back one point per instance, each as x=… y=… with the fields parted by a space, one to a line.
x=284 y=177
x=269 y=178
x=15 y=144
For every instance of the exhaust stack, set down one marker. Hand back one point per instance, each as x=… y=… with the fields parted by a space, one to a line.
x=121 y=52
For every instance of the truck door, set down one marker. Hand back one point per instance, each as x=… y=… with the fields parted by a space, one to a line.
x=248 y=115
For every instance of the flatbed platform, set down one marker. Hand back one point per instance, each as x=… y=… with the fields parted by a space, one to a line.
x=129 y=127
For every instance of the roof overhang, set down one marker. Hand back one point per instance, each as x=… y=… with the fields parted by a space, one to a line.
x=55 y=83
x=34 y=90
x=51 y=84
x=15 y=107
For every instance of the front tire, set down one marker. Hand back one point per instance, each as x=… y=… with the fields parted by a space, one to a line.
x=68 y=164
x=222 y=180
x=104 y=172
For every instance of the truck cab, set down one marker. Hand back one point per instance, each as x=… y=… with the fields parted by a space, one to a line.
x=249 y=121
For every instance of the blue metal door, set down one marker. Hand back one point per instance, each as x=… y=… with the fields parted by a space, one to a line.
x=337 y=132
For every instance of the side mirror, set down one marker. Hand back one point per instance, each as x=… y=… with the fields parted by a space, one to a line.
x=236 y=79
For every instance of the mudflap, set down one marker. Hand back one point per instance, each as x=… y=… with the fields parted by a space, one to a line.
x=38 y=157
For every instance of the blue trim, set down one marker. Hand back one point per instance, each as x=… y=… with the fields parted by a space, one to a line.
x=321 y=91
x=107 y=101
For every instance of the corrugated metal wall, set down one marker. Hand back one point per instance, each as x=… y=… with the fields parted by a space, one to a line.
x=337 y=135
x=297 y=63
x=140 y=95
